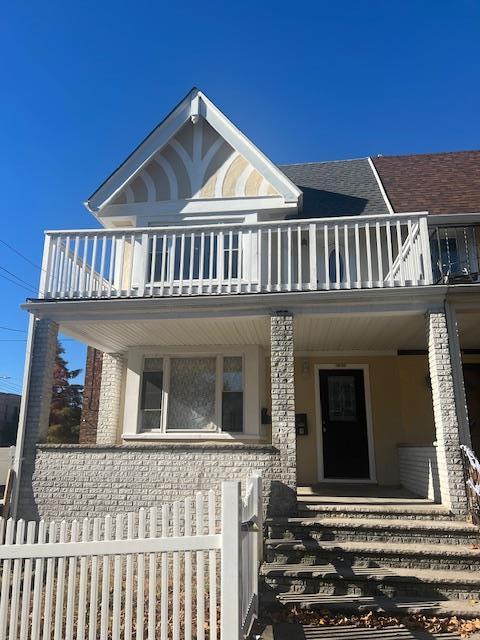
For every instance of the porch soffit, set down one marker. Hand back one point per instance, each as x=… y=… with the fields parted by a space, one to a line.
x=312 y=333
x=332 y=321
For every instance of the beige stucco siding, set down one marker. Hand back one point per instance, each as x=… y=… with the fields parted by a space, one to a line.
x=416 y=400
x=400 y=402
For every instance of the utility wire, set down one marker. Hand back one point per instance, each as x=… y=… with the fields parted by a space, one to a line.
x=10 y=386
x=10 y=329
x=21 y=255
x=17 y=283
x=10 y=273
x=25 y=339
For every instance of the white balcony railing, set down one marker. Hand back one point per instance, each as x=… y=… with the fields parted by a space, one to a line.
x=292 y=255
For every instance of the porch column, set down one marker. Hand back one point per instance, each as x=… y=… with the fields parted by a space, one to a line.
x=457 y=372
x=110 y=396
x=284 y=486
x=34 y=411
x=447 y=423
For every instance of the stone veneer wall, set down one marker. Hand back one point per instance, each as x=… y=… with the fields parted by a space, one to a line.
x=75 y=481
x=282 y=373
x=113 y=370
x=450 y=466
x=37 y=410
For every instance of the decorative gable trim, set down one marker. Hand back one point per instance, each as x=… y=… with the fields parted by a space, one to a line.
x=246 y=171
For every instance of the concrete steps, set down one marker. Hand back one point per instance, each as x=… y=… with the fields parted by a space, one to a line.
x=381 y=555
x=374 y=529
x=373 y=554
x=341 y=579
x=288 y=631
x=307 y=507
x=354 y=604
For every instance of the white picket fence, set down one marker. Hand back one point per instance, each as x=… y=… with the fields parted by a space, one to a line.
x=182 y=572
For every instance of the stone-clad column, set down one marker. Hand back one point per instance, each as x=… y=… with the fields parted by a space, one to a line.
x=447 y=427
x=283 y=489
x=35 y=410
x=110 y=396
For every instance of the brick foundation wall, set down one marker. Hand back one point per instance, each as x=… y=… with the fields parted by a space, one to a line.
x=76 y=481
x=91 y=396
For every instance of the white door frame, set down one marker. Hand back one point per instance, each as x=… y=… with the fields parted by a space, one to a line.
x=368 y=415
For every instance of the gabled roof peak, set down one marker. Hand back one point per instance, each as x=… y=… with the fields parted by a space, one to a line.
x=193 y=107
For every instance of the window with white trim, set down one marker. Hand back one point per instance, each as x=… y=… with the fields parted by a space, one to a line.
x=192 y=394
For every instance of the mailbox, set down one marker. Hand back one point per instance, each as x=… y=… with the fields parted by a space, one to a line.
x=301 y=424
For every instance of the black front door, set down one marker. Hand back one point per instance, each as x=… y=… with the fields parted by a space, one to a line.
x=344 y=424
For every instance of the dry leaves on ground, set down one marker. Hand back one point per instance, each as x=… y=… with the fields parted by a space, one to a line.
x=464 y=627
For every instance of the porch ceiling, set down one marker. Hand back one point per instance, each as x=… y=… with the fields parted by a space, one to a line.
x=360 y=333
x=117 y=335
x=469 y=330
x=312 y=332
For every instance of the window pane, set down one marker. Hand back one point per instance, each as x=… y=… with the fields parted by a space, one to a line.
x=191 y=402
x=153 y=364
x=232 y=411
x=151 y=398
x=342 y=404
x=232 y=374
x=152 y=384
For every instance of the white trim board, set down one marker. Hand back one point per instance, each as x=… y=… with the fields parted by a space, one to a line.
x=368 y=412
x=252 y=385
x=380 y=185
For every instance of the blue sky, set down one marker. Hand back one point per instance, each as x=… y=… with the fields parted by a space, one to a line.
x=82 y=84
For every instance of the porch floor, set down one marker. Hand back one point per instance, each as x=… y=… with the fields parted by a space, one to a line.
x=365 y=498
x=359 y=494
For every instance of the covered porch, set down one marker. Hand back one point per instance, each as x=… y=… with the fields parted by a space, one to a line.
x=361 y=389
x=365 y=403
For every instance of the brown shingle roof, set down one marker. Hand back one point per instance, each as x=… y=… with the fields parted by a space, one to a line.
x=434 y=182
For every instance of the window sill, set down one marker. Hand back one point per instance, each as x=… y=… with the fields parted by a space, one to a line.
x=233 y=437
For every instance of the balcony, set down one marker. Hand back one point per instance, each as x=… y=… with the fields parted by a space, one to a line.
x=282 y=256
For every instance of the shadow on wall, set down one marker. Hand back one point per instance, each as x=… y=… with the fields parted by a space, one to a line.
x=282 y=500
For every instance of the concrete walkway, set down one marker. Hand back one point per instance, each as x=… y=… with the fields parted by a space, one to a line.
x=286 y=631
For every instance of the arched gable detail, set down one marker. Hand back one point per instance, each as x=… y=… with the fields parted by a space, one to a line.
x=197 y=163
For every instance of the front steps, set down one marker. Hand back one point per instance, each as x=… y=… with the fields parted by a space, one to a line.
x=375 y=529
x=404 y=557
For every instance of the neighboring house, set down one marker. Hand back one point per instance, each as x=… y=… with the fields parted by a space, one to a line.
x=9 y=410
x=307 y=320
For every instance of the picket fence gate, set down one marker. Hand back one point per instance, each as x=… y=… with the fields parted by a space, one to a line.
x=180 y=572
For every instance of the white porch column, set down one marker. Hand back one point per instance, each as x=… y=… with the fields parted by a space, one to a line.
x=113 y=367
x=34 y=411
x=447 y=422
x=284 y=486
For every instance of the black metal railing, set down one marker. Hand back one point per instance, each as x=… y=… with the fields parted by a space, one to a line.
x=455 y=254
x=471 y=468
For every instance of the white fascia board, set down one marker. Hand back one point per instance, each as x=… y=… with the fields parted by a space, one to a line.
x=240 y=142
x=142 y=154
x=454 y=218
x=203 y=206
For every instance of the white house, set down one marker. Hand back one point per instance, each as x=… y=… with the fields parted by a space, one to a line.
x=310 y=321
